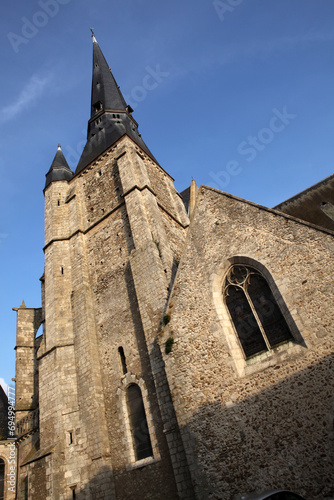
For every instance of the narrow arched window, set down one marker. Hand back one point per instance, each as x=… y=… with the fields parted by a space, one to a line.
x=257 y=318
x=122 y=360
x=2 y=479
x=138 y=423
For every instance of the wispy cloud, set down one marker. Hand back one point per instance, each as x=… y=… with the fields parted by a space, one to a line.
x=213 y=56
x=31 y=92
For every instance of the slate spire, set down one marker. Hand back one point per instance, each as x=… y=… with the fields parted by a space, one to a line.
x=110 y=116
x=105 y=91
x=59 y=170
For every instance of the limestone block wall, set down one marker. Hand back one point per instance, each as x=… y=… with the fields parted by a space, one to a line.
x=56 y=211
x=58 y=288
x=108 y=241
x=266 y=422
x=97 y=230
x=27 y=324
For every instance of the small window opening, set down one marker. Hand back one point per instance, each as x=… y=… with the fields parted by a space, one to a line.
x=123 y=360
x=58 y=203
x=97 y=106
x=26 y=488
x=62 y=270
x=73 y=493
x=70 y=437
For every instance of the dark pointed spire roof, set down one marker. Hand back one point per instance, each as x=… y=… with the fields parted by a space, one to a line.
x=110 y=116
x=59 y=170
x=105 y=90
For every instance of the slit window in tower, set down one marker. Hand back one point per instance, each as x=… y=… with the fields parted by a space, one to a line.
x=70 y=437
x=138 y=424
x=122 y=360
x=26 y=488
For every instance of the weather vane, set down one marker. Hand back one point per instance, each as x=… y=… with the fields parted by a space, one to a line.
x=92 y=30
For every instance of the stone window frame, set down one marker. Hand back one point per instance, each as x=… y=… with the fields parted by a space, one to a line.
x=262 y=360
x=132 y=463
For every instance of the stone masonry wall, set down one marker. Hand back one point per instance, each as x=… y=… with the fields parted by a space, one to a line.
x=266 y=422
x=109 y=243
x=91 y=310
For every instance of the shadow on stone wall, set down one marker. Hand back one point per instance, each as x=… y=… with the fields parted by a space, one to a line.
x=280 y=437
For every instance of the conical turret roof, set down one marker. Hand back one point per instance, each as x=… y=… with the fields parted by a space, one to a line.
x=59 y=170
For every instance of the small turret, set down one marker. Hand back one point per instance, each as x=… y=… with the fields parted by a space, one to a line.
x=59 y=170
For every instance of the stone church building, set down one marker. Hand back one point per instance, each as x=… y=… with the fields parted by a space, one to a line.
x=184 y=347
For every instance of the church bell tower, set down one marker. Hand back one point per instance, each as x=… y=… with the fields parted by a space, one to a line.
x=114 y=230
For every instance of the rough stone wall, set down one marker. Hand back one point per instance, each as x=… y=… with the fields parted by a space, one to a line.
x=175 y=235
x=109 y=241
x=37 y=485
x=69 y=357
x=28 y=323
x=168 y=198
x=315 y=204
x=266 y=422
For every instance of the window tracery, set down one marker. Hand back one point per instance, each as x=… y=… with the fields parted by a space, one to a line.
x=257 y=318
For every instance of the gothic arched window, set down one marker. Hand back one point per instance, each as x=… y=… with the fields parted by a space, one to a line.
x=257 y=318
x=2 y=479
x=138 y=423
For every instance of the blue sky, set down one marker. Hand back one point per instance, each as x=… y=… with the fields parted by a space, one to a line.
x=237 y=94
